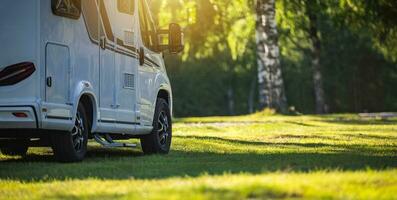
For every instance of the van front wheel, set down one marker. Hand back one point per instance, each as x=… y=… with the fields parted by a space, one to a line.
x=159 y=141
x=72 y=146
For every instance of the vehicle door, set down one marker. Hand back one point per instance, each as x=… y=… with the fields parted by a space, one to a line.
x=126 y=61
x=108 y=105
x=149 y=68
x=58 y=61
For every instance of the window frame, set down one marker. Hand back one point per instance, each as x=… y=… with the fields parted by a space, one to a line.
x=144 y=27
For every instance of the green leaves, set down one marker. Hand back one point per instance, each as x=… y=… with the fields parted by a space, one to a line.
x=359 y=54
x=377 y=18
x=212 y=26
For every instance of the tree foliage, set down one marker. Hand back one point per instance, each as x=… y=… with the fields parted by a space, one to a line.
x=216 y=74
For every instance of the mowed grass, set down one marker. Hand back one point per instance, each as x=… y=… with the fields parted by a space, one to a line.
x=245 y=157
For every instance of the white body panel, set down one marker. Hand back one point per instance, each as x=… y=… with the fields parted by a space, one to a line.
x=68 y=51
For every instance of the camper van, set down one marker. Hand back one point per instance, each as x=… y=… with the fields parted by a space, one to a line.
x=74 y=70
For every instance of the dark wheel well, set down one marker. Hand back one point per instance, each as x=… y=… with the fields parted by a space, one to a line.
x=163 y=94
x=89 y=106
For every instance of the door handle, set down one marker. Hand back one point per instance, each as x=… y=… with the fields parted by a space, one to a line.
x=141 y=56
x=49 y=81
x=102 y=42
x=115 y=106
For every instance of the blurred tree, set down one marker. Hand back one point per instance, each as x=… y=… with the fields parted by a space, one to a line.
x=345 y=39
x=271 y=83
x=217 y=73
x=312 y=8
x=377 y=17
x=217 y=37
x=301 y=19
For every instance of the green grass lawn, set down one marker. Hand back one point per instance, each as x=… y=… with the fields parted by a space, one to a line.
x=247 y=157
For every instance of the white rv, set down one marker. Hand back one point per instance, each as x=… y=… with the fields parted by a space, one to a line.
x=73 y=70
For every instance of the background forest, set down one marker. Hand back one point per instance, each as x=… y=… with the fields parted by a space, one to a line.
x=217 y=72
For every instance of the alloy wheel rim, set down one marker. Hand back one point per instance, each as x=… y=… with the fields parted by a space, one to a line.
x=78 y=133
x=163 y=128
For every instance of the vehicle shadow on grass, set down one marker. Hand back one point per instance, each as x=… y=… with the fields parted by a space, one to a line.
x=123 y=164
x=346 y=121
x=348 y=148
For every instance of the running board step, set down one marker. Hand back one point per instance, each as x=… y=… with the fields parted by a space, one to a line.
x=107 y=141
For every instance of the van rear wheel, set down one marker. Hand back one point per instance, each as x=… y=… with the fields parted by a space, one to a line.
x=159 y=141
x=15 y=148
x=72 y=146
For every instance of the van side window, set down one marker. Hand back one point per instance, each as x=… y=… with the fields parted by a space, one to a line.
x=66 y=8
x=126 y=6
x=122 y=22
x=148 y=31
x=91 y=18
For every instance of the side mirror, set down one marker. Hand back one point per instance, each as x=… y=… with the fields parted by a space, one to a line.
x=175 y=38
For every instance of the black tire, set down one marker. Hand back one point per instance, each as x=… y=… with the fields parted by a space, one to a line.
x=159 y=141
x=72 y=146
x=15 y=148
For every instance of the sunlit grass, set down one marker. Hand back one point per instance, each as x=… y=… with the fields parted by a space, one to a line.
x=245 y=157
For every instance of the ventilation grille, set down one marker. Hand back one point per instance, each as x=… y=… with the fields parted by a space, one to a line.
x=129 y=81
x=128 y=37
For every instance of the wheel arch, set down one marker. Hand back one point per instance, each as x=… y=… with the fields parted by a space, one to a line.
x=165 y=94
x=84 y=93
x=89 y=104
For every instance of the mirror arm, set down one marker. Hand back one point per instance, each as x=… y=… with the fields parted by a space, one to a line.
x=162 y=47
x=163 y=31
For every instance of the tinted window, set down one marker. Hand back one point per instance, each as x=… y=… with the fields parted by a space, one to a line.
x=67 y=8
x=91 y=18
x=148 y=30
x=126 y=6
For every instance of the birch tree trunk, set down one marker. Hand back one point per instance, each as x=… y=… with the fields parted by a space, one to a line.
x=321 y=106
x=271 y=84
